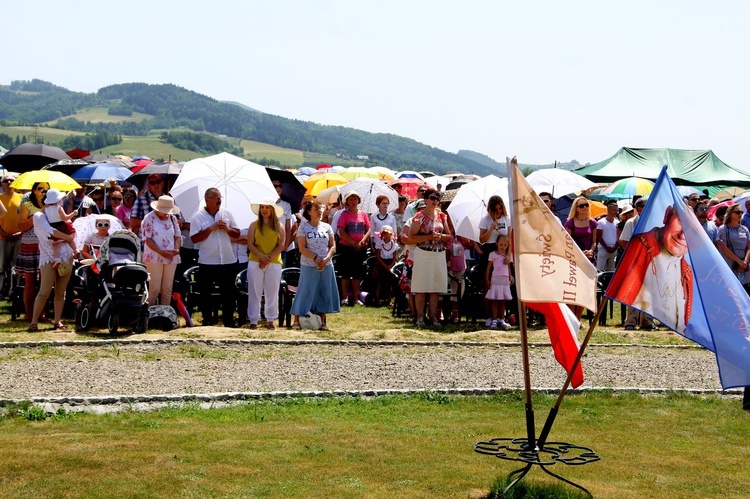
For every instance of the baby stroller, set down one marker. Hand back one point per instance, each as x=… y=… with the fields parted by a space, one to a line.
x=114 y=288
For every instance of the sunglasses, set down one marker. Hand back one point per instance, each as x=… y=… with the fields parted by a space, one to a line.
x=6 y=181
x=277 y=186
x=433 y=198
x=41 y=189
x=546 y=201
x=129 y=196
x=96 y=200
x=155 y=182
x=703 y=208
x=102 y=224
x=115 y=199
x=583 y=205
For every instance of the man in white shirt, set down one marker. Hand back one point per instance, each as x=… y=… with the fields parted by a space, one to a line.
x=211 y=229
x=646 y=322
x=606 y=238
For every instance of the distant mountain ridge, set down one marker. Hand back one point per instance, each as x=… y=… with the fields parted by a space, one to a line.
x=36 y=101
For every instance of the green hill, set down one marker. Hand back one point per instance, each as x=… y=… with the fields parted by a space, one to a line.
x=140 y=110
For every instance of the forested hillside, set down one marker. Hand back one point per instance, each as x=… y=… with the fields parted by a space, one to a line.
x=28 y=103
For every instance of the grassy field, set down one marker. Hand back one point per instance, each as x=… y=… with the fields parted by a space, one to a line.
x=419 y=446
x=99 y=115
x=48 y=135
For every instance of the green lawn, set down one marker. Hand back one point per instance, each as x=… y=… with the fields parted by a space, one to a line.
x=99 y=115
x=418 y=446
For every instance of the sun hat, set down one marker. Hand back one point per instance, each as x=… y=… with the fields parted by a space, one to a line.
x=627 y=210
x=165 y=204
x=9 y=177
x=386 y=228
x=268 y=202
x=350 y=194
x=53 y=196
x=419 y=204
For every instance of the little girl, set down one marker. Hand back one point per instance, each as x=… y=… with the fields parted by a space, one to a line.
x=59 y=220
x=385 y=253
x=96 y=239
x=498 y=282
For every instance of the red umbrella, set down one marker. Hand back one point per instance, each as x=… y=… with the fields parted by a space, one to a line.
x=409 y=186
x=140 y=164
x=78 y=153
x=323 y=166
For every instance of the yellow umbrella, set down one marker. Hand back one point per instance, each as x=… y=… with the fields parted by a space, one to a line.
x=320 y=181
x=383 y=172
x=356 y=172
x=56 y=180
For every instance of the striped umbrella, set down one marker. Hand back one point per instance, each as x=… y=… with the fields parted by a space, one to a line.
x=629 y=187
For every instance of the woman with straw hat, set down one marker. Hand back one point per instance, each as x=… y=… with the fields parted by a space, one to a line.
x=161 y=238
x=265 y=242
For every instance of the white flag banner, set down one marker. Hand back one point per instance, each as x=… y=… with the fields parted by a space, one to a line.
x=550 y=267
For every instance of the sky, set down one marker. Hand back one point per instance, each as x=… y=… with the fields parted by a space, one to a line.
x=542 y=80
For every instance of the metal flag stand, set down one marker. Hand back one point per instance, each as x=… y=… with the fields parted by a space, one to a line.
x=539 y=452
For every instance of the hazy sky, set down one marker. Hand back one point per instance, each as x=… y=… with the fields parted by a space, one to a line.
x=543 y=80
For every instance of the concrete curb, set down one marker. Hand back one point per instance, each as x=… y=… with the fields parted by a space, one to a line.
x=120 y=403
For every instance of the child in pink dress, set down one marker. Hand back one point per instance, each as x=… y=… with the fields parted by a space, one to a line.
x=498 y=282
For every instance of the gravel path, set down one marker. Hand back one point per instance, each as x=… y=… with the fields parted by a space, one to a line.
x=167 y=369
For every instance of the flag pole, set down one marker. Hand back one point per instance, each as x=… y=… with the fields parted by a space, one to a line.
x=530 y=430
x=553 y=411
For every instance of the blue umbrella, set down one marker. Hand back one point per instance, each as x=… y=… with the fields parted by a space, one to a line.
x=100 y=172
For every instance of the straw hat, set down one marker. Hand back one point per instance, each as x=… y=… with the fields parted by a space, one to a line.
x=165 y=204
x=268 y=202
x=350 y=194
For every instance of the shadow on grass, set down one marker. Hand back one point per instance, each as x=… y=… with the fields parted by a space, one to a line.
x=531 y=489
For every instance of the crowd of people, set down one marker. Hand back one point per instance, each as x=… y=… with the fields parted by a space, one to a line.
x=330 y=243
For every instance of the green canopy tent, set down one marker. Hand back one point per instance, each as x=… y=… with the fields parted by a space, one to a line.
x=686 y=167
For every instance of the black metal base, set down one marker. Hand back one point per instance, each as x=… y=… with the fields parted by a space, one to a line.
x=517 y=449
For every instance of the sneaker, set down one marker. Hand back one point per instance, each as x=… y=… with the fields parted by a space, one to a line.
x=493 y=323
x=629 y=327
x=344 y=302
x=420 y=322
x=488 y=322
x=359 y=302
x=502 y=324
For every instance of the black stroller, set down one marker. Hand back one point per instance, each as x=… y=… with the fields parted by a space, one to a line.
x=114 y=288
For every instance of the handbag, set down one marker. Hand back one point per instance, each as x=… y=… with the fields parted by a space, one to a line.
x=310 y=321
x=64 y=269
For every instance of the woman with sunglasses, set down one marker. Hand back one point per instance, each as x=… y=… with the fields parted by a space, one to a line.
x=429 y=231
x=27 y=261
x=733 y=242
x=582 y=228
x=123 y=204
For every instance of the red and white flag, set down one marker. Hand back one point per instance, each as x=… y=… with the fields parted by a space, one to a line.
x=551 y=270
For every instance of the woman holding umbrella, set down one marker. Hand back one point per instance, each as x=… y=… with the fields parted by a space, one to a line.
x=27 y=261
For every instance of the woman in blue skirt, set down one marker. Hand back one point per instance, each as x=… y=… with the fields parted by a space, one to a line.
x=317 y=290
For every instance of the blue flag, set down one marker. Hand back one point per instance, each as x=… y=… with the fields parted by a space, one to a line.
x=674 y=273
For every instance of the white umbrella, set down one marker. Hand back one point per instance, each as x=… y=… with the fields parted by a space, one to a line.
x=85 y=226
x=329 y=195
x=470 y=204
x=369 y=189
x=240 y=182
x=558 y=182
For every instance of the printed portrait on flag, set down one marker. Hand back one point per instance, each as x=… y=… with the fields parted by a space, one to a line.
x=659 y=281
x=673 y=272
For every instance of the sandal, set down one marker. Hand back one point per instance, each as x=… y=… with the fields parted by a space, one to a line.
x=270 y=325
x=33 y=328
x=324 y=327
x=59 y=325
x=296 y=326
